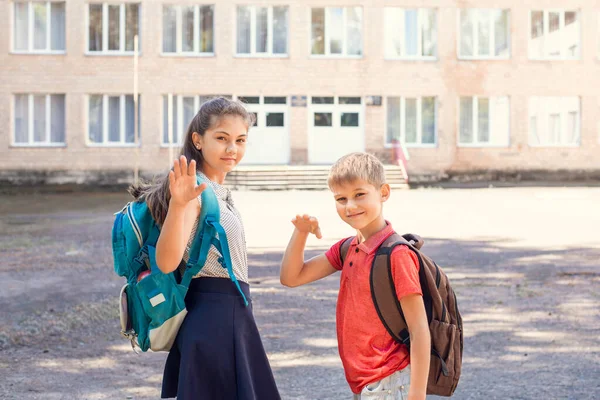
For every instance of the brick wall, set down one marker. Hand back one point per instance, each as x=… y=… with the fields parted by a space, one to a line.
x=77 y=75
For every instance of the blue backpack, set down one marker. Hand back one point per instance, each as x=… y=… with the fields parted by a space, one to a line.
x=153 y=308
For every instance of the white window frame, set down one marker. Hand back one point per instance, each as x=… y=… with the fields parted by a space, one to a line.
x=30 y=122
x=492 y=40
x=419 y=143
x=344 y=54
x=122 y=30
x=105 y=120
x=179 y=31
x=269 y=53
x=562 y=12
x=476 y=142
x=563 y=114
x=31 y=28
x=181 y=127
x=400 y=27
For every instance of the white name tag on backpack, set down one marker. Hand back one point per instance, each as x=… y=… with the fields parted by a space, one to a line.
x=156 y=300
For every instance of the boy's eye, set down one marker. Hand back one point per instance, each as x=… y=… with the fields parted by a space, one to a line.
x=359 y=194
x=341 y=199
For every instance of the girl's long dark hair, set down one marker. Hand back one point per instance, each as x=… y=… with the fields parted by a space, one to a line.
x=156 y=194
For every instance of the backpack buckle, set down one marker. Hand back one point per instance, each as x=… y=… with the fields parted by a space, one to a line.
x=404 y=337
x=142 y=256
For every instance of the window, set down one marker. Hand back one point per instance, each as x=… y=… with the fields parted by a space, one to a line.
x=349 y=100
x=322 y=100
x=410 y=33
x=412 y=120
x=262 y=30
x=39 y=27
x=184 y=109
x=249 y=99
x=188 y=30
x=275 y=100
x=323 y=119
x=112 y=27
x=484 y=34
x=554 y=121
x=111 y=119
x=484 y=121
x=39 y=119
x=275 y=119
x=336 y=31
x=340 y=100
x=554 y=35
x=349 y=119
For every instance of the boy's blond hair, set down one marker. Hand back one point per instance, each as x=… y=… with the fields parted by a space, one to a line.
x=355 y=166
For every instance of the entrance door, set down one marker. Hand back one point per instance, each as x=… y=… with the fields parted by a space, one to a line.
x=268 y=139
x=336 y=128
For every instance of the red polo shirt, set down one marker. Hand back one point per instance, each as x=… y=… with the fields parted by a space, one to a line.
x=367 y=350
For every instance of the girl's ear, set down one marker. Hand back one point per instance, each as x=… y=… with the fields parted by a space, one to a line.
x=197 y=139
x=385 y=191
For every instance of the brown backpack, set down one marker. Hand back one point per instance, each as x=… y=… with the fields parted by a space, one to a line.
x=445 y=321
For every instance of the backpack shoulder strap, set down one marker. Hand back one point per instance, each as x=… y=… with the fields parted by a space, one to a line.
x=209 y=226
x=205 y=234
x=409 y=239
x=226 y=257
x=344 y=248
x=383 y=290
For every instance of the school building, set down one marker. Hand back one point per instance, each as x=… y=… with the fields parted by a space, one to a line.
x=504 y=86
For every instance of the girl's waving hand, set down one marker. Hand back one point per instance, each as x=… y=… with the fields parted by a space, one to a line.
x=182 y=182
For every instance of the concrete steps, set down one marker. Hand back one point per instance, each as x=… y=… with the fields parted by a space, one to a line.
x=294 y=177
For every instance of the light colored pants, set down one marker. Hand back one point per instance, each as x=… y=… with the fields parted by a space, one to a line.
x=393 y=387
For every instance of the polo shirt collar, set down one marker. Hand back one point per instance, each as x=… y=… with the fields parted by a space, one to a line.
x=370 y=245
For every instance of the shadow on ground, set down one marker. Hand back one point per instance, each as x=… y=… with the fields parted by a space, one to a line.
x=531 y=316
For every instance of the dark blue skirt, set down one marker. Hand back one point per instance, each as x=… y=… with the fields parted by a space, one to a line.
x=218 y=353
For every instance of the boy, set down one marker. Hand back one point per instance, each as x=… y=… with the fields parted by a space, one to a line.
x=376 y=367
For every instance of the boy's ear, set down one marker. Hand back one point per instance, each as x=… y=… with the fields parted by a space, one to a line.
x=385 y=192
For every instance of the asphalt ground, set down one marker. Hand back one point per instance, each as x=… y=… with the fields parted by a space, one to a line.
x=524 y=261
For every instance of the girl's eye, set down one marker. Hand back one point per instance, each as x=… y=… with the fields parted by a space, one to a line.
x=242 y=141
x=341 y=199
x=221 y=138
x=360 y=194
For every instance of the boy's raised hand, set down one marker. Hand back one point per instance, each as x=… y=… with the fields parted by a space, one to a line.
x=307 y=224
x=182 y=182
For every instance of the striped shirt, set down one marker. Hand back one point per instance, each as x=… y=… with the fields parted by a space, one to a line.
x=236 y=238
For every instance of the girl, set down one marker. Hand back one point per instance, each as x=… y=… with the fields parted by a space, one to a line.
x=218 y=353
